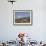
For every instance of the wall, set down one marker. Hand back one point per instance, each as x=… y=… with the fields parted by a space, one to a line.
x=38 y=30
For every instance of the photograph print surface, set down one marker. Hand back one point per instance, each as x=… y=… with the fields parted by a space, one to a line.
x=22 y=17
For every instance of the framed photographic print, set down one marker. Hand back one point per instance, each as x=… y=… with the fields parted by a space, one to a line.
x=23 y=17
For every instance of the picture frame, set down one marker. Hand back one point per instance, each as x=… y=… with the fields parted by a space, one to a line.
x=22 y=17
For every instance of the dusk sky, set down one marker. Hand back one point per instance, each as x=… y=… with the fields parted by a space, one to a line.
x=22 y=14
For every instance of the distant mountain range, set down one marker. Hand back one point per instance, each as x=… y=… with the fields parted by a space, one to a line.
x=21 y=17
x=23 y=20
